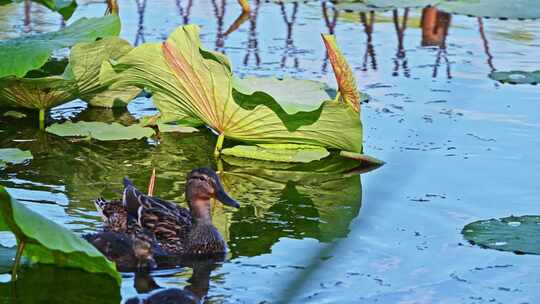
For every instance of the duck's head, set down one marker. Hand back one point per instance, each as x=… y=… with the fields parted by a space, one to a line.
x=202 y=185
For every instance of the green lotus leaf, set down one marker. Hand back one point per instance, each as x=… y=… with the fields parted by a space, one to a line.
x=47 y=242
x=63 y=7
x=196 y=85
x=277 y=152
x=84 y=66
x=519 y=234
x=293 y=95
x=14 y=156
x=45 y=88
x=32 y=52
x=516 y=77
x=100 y=130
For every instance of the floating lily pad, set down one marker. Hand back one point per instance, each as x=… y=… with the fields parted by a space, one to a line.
x=14 y=156
x=516 y=77
x=14 y=114
x=519 y=234
x=279 y=152
x=49 y=243
x=100 y=130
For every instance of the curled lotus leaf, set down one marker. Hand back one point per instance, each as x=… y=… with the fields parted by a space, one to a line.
x=63 y=7
x=343 y=73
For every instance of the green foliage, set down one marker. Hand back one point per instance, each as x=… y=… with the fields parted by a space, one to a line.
x=49 y=243
x=63 y=7
x=516 y=77
x=45 y=88
x=32 y=52
x=100 y=130
x=187 y=82
x=14 y=156
x=279 y=152
x=519 y=234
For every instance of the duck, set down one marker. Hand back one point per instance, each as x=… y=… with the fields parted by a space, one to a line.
x=148 y=226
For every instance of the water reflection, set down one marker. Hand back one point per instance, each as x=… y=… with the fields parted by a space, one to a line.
x=141 y=8
x=194 y=292
x=435 y=25
x=368 y=20
x=400 y=60
x=330 y=23
x=289 y=50
x=184 y=11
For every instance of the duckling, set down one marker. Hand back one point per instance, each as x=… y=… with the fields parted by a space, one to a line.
x=177 y=230
x=128 y=251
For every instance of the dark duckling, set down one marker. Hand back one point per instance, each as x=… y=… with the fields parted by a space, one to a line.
x=177 y=230
x=128 y=251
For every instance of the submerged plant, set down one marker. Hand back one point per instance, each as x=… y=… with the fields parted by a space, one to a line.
x=35 y=79
x=191 y=84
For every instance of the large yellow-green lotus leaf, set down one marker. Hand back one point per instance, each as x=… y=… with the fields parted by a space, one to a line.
x=199 y=84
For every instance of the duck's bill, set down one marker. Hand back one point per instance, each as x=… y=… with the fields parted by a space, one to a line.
x=223 y=197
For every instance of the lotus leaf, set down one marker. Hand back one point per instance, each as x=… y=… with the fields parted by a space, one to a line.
x=519 y=234
x=46 y=242
x=194 y=84
x=63 y=7
x=45 y=88
x=14 y=156
x=279 y=152
x=100 y=130
x=516 y=77
x=32 y=52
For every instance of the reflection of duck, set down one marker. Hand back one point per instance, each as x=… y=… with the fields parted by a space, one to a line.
x=193 y=293
x=141 y=222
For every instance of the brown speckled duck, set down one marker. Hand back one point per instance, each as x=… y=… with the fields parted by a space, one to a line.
x=144 y=221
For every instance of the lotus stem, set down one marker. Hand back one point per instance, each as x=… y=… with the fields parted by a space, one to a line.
x=245 y=5
x=338 y=95
x=18 y=257
x=152 y=183
x=219 y=145
x=42 y=119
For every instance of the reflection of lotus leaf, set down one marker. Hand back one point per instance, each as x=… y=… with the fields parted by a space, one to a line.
x=47 y=284
x=297 y=201
x=519 y=234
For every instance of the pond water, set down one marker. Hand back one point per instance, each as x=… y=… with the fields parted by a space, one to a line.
x=458 y=147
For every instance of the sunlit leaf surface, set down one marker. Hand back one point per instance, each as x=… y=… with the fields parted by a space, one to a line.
x=196 y=84
x=100 y=130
